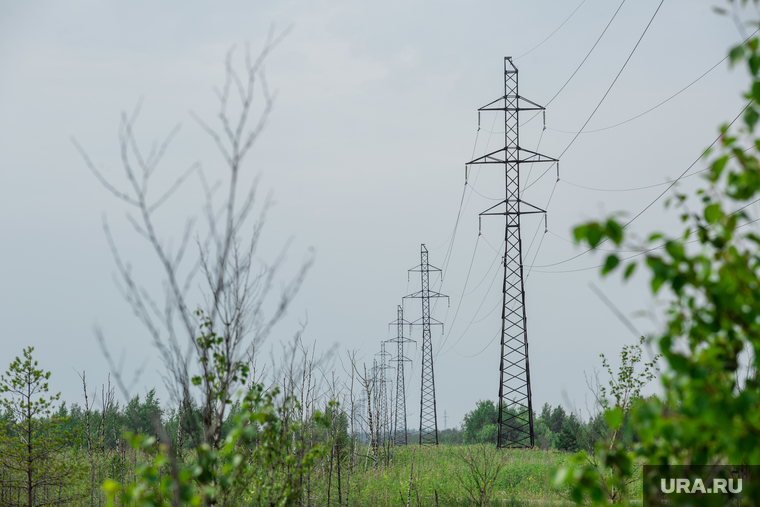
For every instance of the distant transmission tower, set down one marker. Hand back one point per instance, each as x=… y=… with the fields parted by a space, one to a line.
x=515 y=404
x=359 y=414
x=399 y=415
x=428 y=416
x=374 y=405
x=383 y=421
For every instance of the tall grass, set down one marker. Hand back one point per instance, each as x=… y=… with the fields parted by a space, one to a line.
x=439 y=476
x=440 y=472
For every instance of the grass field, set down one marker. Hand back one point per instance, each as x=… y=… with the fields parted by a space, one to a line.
x=444 y=475
x=443 y=472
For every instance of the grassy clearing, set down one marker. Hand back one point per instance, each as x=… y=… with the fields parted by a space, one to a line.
x=522 y=479
x=441 y=472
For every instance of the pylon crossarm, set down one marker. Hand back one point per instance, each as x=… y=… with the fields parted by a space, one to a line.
x=485 y=108
x=493 y=207
x=419 y=294
x=535 y=210
x=532 y=158
x=538 y=106
x=416 y=270
x=512 y=109
x=511 y=98
x=515 y=109
x=541 y=157
x=488 y=158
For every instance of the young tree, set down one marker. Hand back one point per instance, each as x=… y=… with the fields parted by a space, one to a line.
x=144 y=417
x=480 y=424
x=479 y=470
x=32 y=442
x=235 y=311
x=624 y=387
x=261 y=462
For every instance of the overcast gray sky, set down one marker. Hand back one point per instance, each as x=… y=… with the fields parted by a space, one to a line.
x=364 y=154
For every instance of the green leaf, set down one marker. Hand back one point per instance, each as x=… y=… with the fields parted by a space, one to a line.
x=579 y=233
x=593 y=235
x=111 y=487
x=750 y=118
x=614 y=231
x=675 y=249
x=716 y=169
x=713 y=213
x=754 y=64
x=657 y=282
x=736 y=54
x=629 y=270
x=614 y=417
x=610 y=263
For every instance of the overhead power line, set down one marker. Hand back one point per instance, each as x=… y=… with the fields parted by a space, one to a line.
x=555 y=31
x=659 y=247
x=651 y=203
x=616 y=77
x=658 y=105
x=568 y=146
x=587 y=54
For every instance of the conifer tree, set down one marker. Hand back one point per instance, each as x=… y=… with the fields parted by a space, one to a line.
x=32 y=442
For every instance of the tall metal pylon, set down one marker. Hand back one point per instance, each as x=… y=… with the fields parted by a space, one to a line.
x=400 y=436
x=360 y=412
x=383 y=421
x=428 y=415
x=515 y=428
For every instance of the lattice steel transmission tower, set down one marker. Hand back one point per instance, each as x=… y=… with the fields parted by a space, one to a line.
x=383 y=421
x=515 y=404
x=428 y=416
x=399 y=415
x=373 y=405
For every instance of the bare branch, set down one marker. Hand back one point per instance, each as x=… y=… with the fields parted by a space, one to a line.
x=177 y=183
x=120 y=195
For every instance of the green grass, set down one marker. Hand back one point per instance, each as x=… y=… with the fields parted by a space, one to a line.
x=523 y=480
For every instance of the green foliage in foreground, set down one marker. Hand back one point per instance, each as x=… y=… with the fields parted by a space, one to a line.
x=710 y=273
x=261 y=463
x=268 y=458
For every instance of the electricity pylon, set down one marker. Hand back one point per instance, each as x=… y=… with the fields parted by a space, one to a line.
x=515 y=403
x=382 y=410
x=428 y=416
x=399 y=416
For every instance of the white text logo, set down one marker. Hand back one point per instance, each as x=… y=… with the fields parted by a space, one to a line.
x=686 y=486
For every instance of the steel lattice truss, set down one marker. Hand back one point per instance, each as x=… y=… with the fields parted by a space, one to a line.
x=399 y=414
x=515 y=404
x=428 y=415
x=381 y=381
